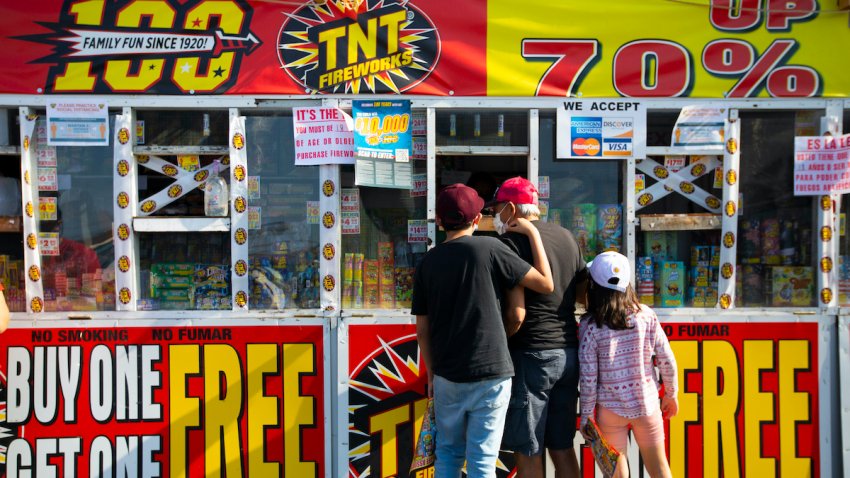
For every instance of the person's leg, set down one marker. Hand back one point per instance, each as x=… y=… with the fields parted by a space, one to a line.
x=451 y=428
x=561 y=417
x=649 y=436
x=529 y=466
x=615 y=429
x=536 y=371
x=485 y=424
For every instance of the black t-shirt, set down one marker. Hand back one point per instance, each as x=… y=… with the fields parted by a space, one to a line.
x=459 y=285
x=550 y=318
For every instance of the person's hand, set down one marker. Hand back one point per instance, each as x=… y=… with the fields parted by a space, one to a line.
x=521 y=225
x=669 y=407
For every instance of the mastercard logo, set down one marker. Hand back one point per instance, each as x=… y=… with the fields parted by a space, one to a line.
x=586 y=147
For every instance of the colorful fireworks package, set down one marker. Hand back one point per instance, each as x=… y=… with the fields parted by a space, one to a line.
x=584 y=229
x=609 y=227
x=426 y=443
x=606 y=456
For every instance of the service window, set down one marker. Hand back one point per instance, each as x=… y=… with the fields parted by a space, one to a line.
x=12 y=274
x=283 y=202
x=75 y=225
x=183 y=270
x=584 y=196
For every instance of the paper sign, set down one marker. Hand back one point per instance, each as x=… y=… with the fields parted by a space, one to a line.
x=718 y=177
x=674 y=163
x=48 y=243
x=350 y=222
x=80 y=122
x=350 y=200
x=253 y=188
x=821 y=165
x=417 y=230
x=322 y=136
x=419 y=121
x=189 y=162
x=543 y=186
x=420 y=148
x=47 y=179
x=46 y=156
x=382 y=140
x=544 y=208
x=47 y=208
x=312 y=212
x=255 y=214
x=700 y=128
x=591 y=129
x=420 y=185
x=140 y=131
x=640 y=182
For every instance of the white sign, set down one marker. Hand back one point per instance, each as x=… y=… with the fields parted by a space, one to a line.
x=46 y=157
x=601 y=129
x=543 y=186
x=350 y=222
x=420 y=185
x=700 y=128
x=350 y=200
x=322 y=136
x=417 y=230
x=419 y=147
x=821 y=165
x=253 y=188
x=675 y=162
x=312 y=212
x=47 y=179
x=48 y=243
x=419 y=124
x=78 y=122
x=255 y=217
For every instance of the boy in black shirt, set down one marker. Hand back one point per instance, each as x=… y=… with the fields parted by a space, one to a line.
x=457 y=294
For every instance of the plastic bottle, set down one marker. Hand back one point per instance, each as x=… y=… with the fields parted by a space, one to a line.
x=216 y=194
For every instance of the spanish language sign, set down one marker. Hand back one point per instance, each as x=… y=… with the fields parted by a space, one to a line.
x=382 y=143
x=78 y=123
x=163 y=401
x=322 y=136
x=596 y=129
x=821 y=165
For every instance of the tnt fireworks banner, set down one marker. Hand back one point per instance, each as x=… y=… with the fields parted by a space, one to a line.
x=713 y=49
x=163 y=401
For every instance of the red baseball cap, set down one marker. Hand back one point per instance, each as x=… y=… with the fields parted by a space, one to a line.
x=458 y=204
x=517 y=190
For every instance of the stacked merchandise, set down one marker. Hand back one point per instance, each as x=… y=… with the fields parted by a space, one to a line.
x=13 y=282
x=284 y=278
x=69 y=286
x=668 y=274
x=211 y=287
x=645 y=277
x=597 y=228
x=376 y=283
x=702 y=283
x=170 y=287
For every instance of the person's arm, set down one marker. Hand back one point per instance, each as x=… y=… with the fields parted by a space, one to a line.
x=4 y=312
x=666 y=362
x=423 y=335
x=588 y=372
x=538 y=279
x=515 y=311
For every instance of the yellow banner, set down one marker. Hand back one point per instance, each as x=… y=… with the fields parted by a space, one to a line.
x=668 y=48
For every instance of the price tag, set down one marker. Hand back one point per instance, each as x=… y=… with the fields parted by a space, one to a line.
x=255 y=217
x=350 y=200
x=253 y=188
x=674 y=163
x=46 y=157
x=419 y=183
x=48 y=243
x=543 y=186
x=420 y=123
x=47 y=209
x=350 y=222
x=417 y=230
x=47 y=179
x=312 y=212
x=420 y=148
x=640 y=182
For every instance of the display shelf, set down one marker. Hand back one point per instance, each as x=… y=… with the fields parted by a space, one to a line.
x=181 y=224
x=680 y=151
x=679 y=222
x=10 y=224
x=169 y=150
x=9 y=150
x=482 y=150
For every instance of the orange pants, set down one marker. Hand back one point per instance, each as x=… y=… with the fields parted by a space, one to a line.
x=648 y=430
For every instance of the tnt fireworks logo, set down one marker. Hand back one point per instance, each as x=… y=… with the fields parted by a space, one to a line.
x=358 y=46
x=163 y=47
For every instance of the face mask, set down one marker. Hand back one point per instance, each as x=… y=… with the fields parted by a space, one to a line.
x=500 y=226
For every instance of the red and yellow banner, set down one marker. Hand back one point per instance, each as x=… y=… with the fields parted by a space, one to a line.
x=163 y=401
x=654 y=48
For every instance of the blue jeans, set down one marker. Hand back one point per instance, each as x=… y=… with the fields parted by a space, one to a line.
x=470 y=421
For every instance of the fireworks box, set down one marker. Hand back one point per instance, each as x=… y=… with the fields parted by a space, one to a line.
x=791 y=286
x=671 y=277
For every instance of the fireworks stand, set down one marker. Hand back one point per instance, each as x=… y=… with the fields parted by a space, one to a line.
x=152 y=338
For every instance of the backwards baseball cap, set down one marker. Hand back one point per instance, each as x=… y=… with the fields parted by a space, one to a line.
x=458 y=204
x=612 y=270
x=517 y=190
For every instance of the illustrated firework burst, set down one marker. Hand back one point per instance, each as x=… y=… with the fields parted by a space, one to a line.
x=410 y=53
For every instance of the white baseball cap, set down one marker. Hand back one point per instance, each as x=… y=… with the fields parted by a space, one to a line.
x=612 y=270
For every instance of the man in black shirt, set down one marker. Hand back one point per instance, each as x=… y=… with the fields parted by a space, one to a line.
x=543 y=341
x=457 y=296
